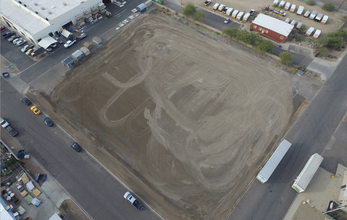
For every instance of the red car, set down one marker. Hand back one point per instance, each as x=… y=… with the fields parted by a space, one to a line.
x=2 y=28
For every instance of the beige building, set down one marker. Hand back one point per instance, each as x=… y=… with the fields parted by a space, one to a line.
x=35 y=19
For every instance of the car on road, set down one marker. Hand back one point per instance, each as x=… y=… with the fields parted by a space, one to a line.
x=36 y=110
x=226 y=20
x=12 y=132
x=26 y=101
x=4 y=123
x=48 y=121
x=252 y=12
x=69 y=43
x=76 y=146
x=136 y=203
x=83 y=35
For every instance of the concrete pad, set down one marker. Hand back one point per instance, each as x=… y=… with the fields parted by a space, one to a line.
x=55 y=192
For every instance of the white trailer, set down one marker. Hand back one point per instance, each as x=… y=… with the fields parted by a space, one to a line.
x=307 y=13
x=282 y=3
x=324 y=19
x=317 y=33
x=309 y=31
x=287 y=6
x=299 y=25
x=293 y=22
x=229 y=11
x=239 y=15
x=319 y=17
x=221 y=7
x=245 y=18
x=287 y=20
x=313 y=15
x=307 y=173
x=292 y=8
x=234 y=14
x=215 y=7
x=273 y=161
x=300 y=10
x=275 y=2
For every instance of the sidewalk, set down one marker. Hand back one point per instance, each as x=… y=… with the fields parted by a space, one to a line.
x=310 y=204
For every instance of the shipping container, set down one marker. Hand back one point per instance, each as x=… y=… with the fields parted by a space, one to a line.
x=77 y=55
x=148 y=3
x=85 y=51
x=141 y=8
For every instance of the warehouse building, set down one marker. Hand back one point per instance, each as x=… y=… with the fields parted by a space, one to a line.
x=272 y=28
x=35 y=19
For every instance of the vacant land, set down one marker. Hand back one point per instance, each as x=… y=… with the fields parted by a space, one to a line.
x=183 y=120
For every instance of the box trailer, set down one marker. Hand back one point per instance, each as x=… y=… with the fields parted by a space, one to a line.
x=324 y=19
x=239 y=15
x=309 y=31
x=229 y=11
x=300 y=10
x=307 y=13
x=273 y=161
x=287 y=6
x=313 y=15
x=292 y=8
x=215 y=7
x=234 y=14
x=293 y=22
x=317 y=33
x=282 y=3
x=245 y=18
x=307 y=173
x=287 y=20
x=275 y=2
x=221 y=7
x=319 y=17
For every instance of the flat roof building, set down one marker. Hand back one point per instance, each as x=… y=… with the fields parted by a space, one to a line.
x=272 y=28
x=35 y=19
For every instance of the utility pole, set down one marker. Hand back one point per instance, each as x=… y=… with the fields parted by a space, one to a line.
x=340 y=5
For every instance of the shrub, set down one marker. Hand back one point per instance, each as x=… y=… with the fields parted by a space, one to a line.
x=189 y=9
x=264 y=46
x=310 y=2
x=199 y=16
x=328 y=6
x=323 y=51
x=231 y=32
x=335 y=42
x=286 y=58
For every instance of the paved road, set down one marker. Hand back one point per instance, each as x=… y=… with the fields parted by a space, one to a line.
x=309 y=135
x=89 y=183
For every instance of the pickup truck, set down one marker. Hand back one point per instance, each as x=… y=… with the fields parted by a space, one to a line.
x=83 y=35
x=136 y=203
x=12 y=132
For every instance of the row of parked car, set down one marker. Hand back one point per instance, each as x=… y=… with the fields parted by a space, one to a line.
x=314 y=15
x=19 y=41
x=239 y=15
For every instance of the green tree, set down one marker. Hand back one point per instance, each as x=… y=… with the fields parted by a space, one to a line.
x=199 y=16
x=335 y=42
x=310 y=2
x=231 y=32
x=248 y=37
x=339 y=33
x=322 y=41
x=328 y=6
x=264 y=46
x=189 y=10
x=323 y=51
x=286 y=58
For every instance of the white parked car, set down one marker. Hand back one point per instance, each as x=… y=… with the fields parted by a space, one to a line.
x=25 y=48
x=21 y=42
x=69 y=43
x=17 y=40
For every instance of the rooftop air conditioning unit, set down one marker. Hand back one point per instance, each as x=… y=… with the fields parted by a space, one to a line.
x=64 y=3
x=35 y=3
x=53 y=7
x=19 y=2
x=36 y=12
x=42 y=8
x=49 y=12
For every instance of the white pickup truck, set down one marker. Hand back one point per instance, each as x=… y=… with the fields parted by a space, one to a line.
x=136 y=203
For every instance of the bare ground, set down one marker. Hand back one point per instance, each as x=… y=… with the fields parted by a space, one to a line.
x=184 y=121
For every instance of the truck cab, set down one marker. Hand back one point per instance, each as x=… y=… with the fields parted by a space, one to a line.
x=130 y=198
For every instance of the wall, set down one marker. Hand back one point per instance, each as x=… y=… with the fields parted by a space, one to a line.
x=271 y=34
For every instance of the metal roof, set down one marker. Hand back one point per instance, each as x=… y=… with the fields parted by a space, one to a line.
x=273 y=24
x=46 y=42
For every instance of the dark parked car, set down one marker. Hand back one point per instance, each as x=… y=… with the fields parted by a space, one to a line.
x=8 y=34
x=48 y=121
x=12 y=132
x=76 y=147
x=26 y=101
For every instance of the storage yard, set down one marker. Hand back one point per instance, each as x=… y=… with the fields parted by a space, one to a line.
x=184 y=121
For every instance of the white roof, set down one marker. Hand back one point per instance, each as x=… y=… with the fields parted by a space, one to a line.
x=273 y=24
x=47 y=41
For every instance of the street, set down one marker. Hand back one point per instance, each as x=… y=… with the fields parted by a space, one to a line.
x=309 y=135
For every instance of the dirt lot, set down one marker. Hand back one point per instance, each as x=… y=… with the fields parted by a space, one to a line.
x=183 y=120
